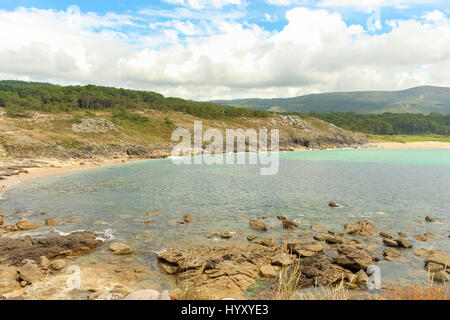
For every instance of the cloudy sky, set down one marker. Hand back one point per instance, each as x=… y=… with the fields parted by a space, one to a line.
x=225 y=49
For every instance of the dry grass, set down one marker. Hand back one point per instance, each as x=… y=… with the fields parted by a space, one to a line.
x=339 y=292
x=288 y=282
x=427 y=290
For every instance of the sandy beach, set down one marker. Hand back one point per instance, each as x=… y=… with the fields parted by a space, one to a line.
x=413 y=145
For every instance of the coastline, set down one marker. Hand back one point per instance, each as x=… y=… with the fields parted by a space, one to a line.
x=57 y=167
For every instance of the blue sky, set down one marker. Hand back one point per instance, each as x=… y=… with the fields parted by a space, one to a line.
x=228 y=48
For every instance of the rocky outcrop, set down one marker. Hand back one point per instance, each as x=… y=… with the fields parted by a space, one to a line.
x=8 y=279
x=438 y=264
x=360 y=228
x=14 y=251
x=30 y=272
x=304 y=248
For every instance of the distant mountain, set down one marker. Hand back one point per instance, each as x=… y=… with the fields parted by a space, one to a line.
x=426 y=99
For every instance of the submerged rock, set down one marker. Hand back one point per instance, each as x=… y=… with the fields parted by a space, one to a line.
x=391 y=254
x=120 y=249
x=334 y=205
x=188 y=218
x=27 y=225
x=258 y=225
x=360 y=228
x=288 y=224
x=51 y=222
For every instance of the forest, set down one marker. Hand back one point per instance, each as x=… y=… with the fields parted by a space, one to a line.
x=19 y=96
x=389 y=123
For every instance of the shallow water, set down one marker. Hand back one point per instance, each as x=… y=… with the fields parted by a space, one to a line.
x=391 y=187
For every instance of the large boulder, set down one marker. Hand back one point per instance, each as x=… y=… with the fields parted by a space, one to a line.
x=8 y=279
x=360 y=228
x=352 y=258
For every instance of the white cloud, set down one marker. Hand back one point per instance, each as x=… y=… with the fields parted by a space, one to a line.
x=401 y=4
x=201 y=4
x=315 y=52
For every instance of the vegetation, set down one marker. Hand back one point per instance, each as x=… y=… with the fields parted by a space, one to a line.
x=19 y=97
x=390 y=123
x=426 y=290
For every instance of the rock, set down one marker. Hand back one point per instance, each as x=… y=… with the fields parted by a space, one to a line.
x=333 y=239
x=360 y=228
x=30 y=272
x=27 y=225
x=251 y=238
x=226 y=235
x=282 y=218
x=282 y=259
x=288 y=224
x=390 y=243
x=144 y=295
x=430 y=219
x=402 y=234
x=432 y=235
x=168 y=268
x=334 y=205
x=352 y=258
x=120 y=249
x=421 y=252
x=44 y=263
x=8 y=279
x=258 y=225
x=57 y=264
x=390 y=254
x=434 y=267
x=51 y=222
x=421 y=237
x=42 y=213
x=188 y=218
x=267 y=242
x=267 y=271
x=304 y=248
x=386 y=235
x=441 y=276
x=361 y=277
x=404 y=244
x=153 y=213
x=1 y=219
x=13 y=251
x=438 y=256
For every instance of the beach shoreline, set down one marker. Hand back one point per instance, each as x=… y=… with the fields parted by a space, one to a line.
x=59 y=167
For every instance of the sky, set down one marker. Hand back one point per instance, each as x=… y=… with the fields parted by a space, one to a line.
x=228 y=49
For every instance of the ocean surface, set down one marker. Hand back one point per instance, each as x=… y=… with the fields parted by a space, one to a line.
x=394 y=188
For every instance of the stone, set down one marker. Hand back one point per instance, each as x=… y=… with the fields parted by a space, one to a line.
x=57 y=265
x=333 y=204
x=281 y=218
x=361 y=277
x=251 y=238
x=430 y=219
x=441 y=276
x=258 y=225
x=402 y=234
x=153 y=213
x=30 y=272
x=226 y=235
x=8 y=279
x=421 y=252
x=27 y=225
x=51 y=222
x=168 y=268
x=282 y=259
x=352 y=258
x=188 y=218
x=390 y=243
x=320 y=228
x=267 y=242
x=421 y=237
x=404 y=243
x=360 y=228
x=391 y=254
x=267 y=271
x=304 y=248
x=386 y=235
x=438 y=256
x=288 y=224
x=44 y=262
x=333 y=239
x=120 y=249
x=434 y=267
x=2 y=217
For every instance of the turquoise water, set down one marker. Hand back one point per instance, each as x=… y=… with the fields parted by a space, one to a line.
x=391 y=187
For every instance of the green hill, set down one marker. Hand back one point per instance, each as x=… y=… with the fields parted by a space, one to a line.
x=426 y=99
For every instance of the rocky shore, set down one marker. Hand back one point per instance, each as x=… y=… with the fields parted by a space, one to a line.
x=320 y=258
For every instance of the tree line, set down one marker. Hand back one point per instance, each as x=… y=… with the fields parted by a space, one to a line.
x=389 y=123
x=19 y=96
